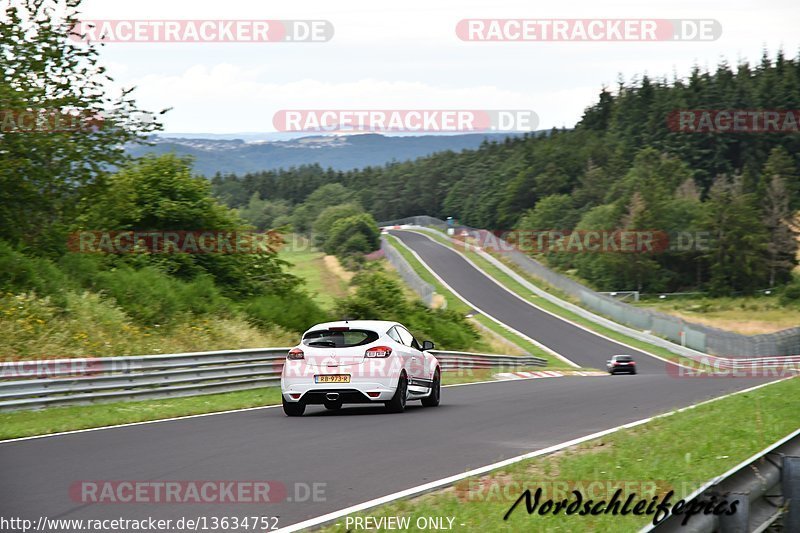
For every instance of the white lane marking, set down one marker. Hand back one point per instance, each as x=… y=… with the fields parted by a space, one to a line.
x=505 y=376
x=523 y=282
x=439 y=483
x=481 y=311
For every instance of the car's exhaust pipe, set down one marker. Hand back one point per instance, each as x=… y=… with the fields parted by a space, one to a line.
x=332 y=396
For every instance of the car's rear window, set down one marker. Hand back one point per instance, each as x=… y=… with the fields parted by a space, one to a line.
x=625 y=358
x=326 y=338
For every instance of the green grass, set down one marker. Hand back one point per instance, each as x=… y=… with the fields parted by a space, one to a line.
x=70 y=418
x=323 y=285
x=455 y=303
x=677 y=452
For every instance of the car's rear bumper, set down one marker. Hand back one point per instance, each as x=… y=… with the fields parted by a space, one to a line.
x=358 y=390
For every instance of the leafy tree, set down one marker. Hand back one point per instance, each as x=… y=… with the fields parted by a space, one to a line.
x=737 y=256
x=782 y=238
x=322 y=198
x=160 y=194
x=263 y=213
x=781 y=164
x=357 y=234
x=325 y=221
x=45 y=171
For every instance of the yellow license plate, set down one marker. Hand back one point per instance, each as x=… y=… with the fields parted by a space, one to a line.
x=333 y=378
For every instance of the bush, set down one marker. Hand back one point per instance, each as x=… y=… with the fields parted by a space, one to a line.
x=358 y=234
x=151 y=297
x=325 y=221
x=22 y=273
x=292 y=311
x=791 y=293
x=82 y=268
x=379 y=297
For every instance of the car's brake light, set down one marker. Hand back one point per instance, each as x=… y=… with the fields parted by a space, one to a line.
x=295 y=354
x=378 y=351
x=339 y=328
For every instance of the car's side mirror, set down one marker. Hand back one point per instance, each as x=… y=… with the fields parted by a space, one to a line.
x=427 y=345
x=608 y=361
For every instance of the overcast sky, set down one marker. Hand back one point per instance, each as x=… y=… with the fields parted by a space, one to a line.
x=407 y=56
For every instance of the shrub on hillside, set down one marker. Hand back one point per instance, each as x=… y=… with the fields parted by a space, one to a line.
x=293 y=311
x=379 y=297
x=357 y=234
x=23 y=273
x=791 y=293
x=151 y=297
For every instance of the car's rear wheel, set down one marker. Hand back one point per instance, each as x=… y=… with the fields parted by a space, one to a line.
x=398 y=402
x=436 y=392
x=293 y=408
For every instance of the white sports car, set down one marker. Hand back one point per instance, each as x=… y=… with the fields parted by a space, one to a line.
x=359 y=361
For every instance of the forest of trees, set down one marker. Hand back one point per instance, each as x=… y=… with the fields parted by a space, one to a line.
x=621 y=167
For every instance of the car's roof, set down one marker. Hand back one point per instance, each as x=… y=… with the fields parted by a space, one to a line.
x=624 y=355
x=375 y=325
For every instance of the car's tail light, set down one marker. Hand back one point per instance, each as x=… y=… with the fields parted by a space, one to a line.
x=615 y=364
x=633 y=362
x=378 y=351
x=295 y=354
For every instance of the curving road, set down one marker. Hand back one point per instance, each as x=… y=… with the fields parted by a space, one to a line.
x=578 y=345
x=359 y=453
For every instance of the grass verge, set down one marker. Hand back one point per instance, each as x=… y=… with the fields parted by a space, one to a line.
x=323 y=283
x=69 y=418
x=677 y=452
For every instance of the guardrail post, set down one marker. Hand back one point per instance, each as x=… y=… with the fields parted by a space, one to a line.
x=739 y=521
x=790 y=487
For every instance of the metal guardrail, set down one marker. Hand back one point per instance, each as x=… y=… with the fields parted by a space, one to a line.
x=767 y=486
x=425 y=290
x=38 y=384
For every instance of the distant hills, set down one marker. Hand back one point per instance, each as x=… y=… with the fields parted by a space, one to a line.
x=254 y=152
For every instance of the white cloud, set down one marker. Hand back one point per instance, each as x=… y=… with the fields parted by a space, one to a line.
x=407 y=56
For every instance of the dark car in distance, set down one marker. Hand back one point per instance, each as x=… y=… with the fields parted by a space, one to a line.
x=621 y=364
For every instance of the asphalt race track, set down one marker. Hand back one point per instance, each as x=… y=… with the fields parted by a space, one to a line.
x=359 y=453
x=576 y=344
